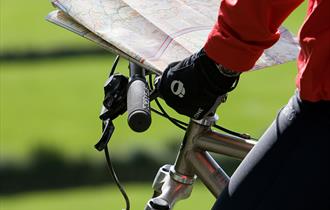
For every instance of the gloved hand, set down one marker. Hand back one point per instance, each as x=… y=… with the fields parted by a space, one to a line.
x=195 y=86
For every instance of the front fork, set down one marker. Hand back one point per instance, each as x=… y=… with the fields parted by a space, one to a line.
x=169 y=187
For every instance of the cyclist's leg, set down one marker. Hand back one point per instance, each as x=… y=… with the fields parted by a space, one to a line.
x=289 y=167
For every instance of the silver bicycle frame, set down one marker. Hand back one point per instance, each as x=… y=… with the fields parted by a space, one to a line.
x=174 y=183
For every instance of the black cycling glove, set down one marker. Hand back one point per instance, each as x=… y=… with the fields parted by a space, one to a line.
x=195 y=86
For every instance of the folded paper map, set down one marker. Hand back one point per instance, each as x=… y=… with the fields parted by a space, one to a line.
x=154 y=33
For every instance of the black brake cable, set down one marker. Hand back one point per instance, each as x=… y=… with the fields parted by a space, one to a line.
x=115 y=177
x=114 y=65
x=184 y=125
x=108 y=157
x=176 y=122
x=234 y=133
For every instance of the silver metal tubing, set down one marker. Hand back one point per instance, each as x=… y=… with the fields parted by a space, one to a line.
x=214 y=178
x=224 y=144
x=182 y=166
x=193 y=158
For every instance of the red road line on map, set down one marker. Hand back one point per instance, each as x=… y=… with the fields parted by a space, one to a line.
x=169 y=38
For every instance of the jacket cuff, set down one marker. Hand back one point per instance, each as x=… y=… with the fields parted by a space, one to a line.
x=230 y=52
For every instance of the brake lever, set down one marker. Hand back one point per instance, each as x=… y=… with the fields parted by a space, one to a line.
x=115 y=101
x=108 y=129
x=114 y=104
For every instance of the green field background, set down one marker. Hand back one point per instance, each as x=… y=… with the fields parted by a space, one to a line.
x=55 y=103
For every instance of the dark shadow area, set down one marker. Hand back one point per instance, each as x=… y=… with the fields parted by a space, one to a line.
x=50 y=169
x=51 y=54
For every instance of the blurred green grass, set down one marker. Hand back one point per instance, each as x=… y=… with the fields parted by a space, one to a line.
x=107 y=197
x=57 y=102
x=23 y=27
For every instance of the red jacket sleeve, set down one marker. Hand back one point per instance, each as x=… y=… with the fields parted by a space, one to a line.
x=244 y=29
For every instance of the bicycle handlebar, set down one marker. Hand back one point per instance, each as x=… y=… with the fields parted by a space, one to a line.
x=138 y=102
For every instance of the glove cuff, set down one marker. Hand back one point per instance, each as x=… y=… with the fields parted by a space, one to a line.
x=227 y=72
x=220 y=79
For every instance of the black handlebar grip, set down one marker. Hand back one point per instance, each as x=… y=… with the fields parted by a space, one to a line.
x=138 y=103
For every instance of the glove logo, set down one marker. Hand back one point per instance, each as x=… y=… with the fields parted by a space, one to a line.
x=177 y=88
